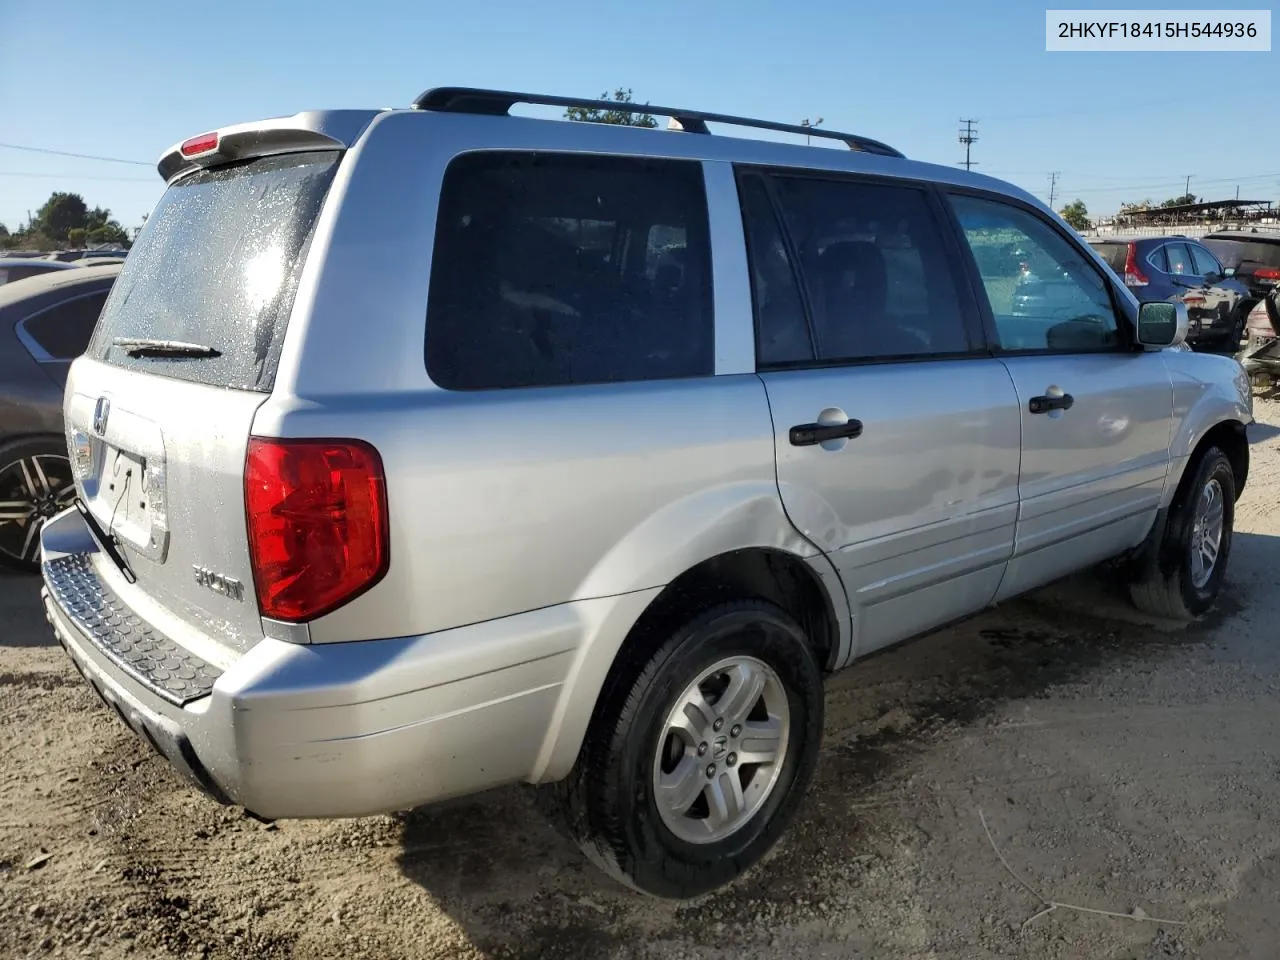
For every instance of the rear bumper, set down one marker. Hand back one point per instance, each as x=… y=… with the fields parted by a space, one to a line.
x=342 y=729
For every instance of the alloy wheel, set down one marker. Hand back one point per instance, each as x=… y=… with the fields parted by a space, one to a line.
x=1206 y=533
x=720 y=750
x=32 y=489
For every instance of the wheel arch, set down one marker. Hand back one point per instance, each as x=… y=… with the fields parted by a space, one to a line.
x=1231 y=437
x=807 y=588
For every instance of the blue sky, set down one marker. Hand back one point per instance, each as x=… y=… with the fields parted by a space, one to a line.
x=128 y=79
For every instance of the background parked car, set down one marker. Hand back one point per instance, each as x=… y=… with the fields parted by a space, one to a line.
x=1181 y=269
x=67 y=256
x=96 y=261
x=45 y=323
x=19 y=268
x=1255 y=257
x=1261 y=355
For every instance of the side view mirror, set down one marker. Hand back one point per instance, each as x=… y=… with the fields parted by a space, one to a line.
x=1162 y=324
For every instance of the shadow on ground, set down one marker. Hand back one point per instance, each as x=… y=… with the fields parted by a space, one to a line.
x=478 y=858
x=21 y=617
x=1261 y=432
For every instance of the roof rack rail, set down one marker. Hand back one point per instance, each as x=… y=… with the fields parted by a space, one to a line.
x=500 y=102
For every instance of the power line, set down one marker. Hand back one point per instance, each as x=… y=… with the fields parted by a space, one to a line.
x=77 y=156
x=77 y=176
x=968 y=139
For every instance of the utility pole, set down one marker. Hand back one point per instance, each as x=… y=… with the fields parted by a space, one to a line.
x=1187 y=191
x=1053 y=187
x=968 y=137
x=808 y=124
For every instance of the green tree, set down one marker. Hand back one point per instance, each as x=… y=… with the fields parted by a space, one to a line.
x=1076 y=214
x=61 y=213
x=75 y=236
x=621 y=117
x=1179 y=201
x=97 y=217
x=109 y=232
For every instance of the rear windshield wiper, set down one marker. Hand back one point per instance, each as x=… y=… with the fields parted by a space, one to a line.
x=144 y=347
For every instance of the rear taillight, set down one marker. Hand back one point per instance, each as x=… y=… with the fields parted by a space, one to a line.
x=1267 y=273
x=1133 y=277
x=318 y=525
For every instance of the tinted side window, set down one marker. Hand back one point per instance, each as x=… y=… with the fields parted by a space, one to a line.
x=553 y=269
x=1044 y=295
x=1179 y=259
x=1158 y=260
x=782 y=328
x=1203 y=260
x=63 y=331
x=874 y=267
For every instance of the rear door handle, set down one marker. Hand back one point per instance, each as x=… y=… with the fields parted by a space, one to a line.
x=811 y=434
x=1045 y=404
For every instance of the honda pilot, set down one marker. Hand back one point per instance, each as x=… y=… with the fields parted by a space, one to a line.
x=419 y=451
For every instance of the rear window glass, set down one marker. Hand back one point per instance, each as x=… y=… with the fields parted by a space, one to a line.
x=63 y=332
x=1233 y=252
x=217 y=265
x=1114 y=254
x=554 y=269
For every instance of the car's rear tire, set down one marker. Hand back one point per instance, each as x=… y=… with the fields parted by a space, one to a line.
x=1183 y=578
x=699 y=752
x=35 y=484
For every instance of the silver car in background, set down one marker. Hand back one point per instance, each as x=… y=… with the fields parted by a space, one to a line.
x=424 y=450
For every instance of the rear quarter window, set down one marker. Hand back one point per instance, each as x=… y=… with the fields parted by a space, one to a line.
x=217 y=265
x=557 y=269
x=62 y=332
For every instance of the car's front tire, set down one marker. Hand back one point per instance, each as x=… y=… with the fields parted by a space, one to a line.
x=699 y=752
x=1182 y=580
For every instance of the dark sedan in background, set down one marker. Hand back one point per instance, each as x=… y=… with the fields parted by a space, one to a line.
x=45 y=323
x=19 y=268
x=1181 y=269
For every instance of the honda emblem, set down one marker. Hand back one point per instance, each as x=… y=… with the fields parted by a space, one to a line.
x=100 y=412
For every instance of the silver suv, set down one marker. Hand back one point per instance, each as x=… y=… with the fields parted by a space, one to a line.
x=420 y=451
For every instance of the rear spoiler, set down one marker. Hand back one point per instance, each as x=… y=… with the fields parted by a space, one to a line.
x=312 y=130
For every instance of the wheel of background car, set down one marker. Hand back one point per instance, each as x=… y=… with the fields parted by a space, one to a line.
x=1184 y=579
x=699 y=752
x=35 y=484
x=1239 y=321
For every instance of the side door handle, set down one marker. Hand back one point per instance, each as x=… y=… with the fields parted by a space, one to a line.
x=1045 y=404
x=811 y=434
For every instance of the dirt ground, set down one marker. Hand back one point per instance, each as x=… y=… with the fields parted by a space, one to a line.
x=1119 y=765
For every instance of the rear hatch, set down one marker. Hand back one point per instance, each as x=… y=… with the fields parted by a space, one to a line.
x=160 y=408
x=1257 y=260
